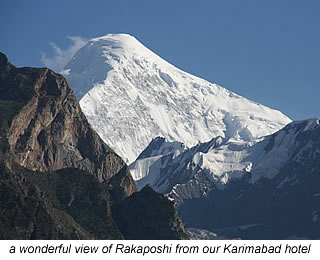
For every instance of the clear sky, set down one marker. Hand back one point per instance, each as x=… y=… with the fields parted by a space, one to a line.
x=265 y=50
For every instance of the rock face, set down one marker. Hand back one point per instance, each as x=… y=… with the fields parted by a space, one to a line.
x=136 y=210
x=66 y=204
x=51 y=133
x=53 y=166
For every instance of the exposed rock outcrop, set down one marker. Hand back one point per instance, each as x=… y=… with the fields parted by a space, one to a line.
x=50 y=132
x=140 y=209
x=58 y=180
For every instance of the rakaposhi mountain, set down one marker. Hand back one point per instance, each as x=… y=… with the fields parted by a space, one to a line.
x=233 y=166
x=130 y=95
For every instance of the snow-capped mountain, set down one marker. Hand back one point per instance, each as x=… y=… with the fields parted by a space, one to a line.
x=166 y=166
x=264 y=190
x=234 y=167
x=130 y=96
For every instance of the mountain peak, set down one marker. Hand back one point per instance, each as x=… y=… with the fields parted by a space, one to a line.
x=124 y=47
x=121 y=39
x=130 y=95
x=115 y=41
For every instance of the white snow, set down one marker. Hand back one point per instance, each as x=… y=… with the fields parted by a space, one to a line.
x=225 y=159
x=65 y=72
x=141 y=168
x=131 y=95
x=147 y=170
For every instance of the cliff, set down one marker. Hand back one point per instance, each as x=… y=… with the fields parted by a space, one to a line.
x=59 y=180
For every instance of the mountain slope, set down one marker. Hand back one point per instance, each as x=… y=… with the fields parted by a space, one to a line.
x=58 y=180
x=131 y=95
x=263 y=190
x=222 y=159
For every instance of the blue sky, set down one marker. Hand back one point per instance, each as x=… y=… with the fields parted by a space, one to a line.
x=267 y=51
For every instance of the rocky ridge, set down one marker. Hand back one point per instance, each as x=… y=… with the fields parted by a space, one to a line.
x=58 y=179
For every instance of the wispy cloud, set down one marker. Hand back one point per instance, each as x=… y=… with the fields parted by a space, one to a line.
x=61 y=57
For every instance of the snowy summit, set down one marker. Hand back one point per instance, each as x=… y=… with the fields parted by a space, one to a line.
x=130 y=95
